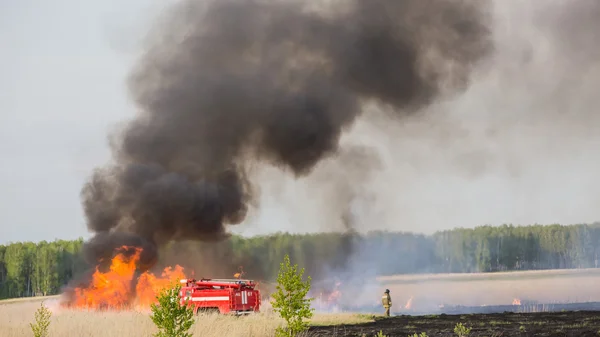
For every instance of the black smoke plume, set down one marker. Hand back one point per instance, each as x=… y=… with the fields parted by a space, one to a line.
x=226 y=84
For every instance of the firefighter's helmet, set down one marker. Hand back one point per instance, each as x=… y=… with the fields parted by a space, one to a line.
x=387 y=291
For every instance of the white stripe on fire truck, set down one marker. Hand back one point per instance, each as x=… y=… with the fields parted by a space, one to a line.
x=214 y=298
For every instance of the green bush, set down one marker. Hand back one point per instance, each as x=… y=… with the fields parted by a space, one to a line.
x=171 y=317
x=42 y=322
x=461 y=331
x=290 y=300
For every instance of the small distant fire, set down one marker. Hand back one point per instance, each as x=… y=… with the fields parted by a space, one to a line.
x=408 y=304
x=239 y=274
x=120 y=288
x=335 y=295
x=328 y=298
x=516 y=301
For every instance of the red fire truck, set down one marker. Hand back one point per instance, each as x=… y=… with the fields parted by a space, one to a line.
x=226 y=296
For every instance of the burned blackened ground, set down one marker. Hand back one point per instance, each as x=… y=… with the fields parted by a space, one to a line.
x=574 y=323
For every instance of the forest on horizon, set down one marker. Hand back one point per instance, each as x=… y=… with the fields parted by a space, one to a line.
x=44 y=268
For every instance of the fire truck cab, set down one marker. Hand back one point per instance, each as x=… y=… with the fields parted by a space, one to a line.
x=227 y=296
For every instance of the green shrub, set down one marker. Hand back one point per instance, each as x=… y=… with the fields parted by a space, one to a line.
x=461 y=331
x=171 y=317
x=290 y=300
x=42 y=322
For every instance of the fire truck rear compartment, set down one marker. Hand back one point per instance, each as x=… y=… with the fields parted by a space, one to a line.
x=234 y=297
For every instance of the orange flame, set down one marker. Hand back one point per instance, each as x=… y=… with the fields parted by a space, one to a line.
x=239 y=274
x=328 y=298
x=119 y=289
x=516 y=301
x=408 y=303
x=149 y=286
x=334 y=296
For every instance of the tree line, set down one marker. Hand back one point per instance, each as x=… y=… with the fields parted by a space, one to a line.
x=29 y=269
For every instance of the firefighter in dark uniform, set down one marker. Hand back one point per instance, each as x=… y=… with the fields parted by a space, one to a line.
x=386 y=301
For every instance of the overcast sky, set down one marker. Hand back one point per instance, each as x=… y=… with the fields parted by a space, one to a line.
x=63 y=65
x=62 y=86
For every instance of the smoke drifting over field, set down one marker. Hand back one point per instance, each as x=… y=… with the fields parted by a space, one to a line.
x=351 y=115
x=226 y=85
x=518 y=145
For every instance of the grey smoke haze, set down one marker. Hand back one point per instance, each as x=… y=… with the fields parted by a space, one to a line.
x=490 y=155
x=229 y=84
x=519 y=145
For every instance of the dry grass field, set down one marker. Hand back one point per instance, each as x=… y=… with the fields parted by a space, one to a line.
x=16 y=316
x=426 y=291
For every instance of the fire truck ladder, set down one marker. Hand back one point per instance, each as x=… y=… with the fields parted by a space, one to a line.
x=232 y=281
